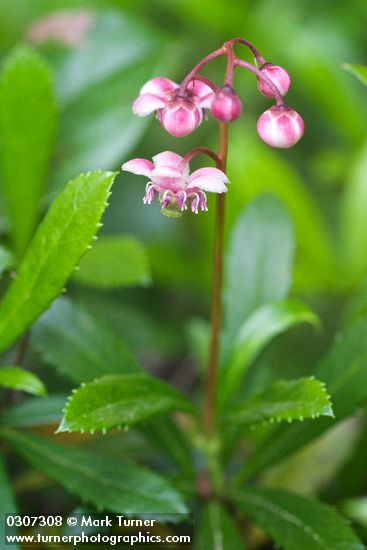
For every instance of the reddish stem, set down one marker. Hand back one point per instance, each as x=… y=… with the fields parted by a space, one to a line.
x=192 y=73
x=191 y=154
x=212 y=373
x=249 y=45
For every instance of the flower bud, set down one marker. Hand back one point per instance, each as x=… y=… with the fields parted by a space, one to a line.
x=278 y=76
x=180 y=117
x=226 y=105
x=280 y=126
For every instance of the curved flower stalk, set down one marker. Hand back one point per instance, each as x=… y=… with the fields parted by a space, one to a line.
x=180 y=110
x=170 y=178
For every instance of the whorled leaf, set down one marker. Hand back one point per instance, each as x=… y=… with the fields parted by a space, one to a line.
x=117 y=485
x=19 y=379
x=35 y=412
x=284 y=400
x=120 y=401
x=344 y=371
x=359 y=71
x=56 y=249
x=297 y=523
x=255 y=333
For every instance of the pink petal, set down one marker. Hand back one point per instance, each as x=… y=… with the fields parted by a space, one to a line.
x=199 y=88
x=208 y=179
x=167 y=158
x=168 y=178
x=141 y=167
x=206 y=101
x=158 y=86
x=147 y=103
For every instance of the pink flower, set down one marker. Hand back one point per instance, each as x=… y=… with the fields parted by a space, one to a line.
x=226 y=105
x=178 y=114
x=279 y=76
x=169 y=177
x=280 y=126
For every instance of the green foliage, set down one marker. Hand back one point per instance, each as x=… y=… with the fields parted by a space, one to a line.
x=7 y=502
x=22 y=380
x=60 y=241
x=354 y=223
x=6 y=259
x=217 y=530
x=79 y=344
x=285 y=400
x=297 y=523
x=344 y=371
x=255 y=333
x=120 y=401
x=359 y=71
x=116 y=485
x=114 y=261
x=35 y=412
x=259 y=261
x=27 y=131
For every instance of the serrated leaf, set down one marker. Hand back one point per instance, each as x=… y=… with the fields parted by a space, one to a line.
x=117 y=485
x=7 y=501
x=297 y=523
x=6 y=259
x=217 y=530
x=35 y=412
x=255 y=333
x=19 y=379
x=114 y=261
x=284 y=400
x=258 y=262
x=120 y=401
x=359 y=71
x=59 y=243
x=27 y=131
x=344 y=371
x=79 y=344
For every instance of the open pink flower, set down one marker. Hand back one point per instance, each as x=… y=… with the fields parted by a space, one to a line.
x=178 y=114
x=169 y=177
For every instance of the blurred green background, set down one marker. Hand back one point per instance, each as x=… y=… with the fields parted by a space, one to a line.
x=119 y=45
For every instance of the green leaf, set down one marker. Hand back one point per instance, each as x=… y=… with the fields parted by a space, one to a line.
x=6 y=259
x=284 y=400
x=120 y=401
x=22 y=380
x=255 y=333
x=297 y=523
x=355 y=509
x=114 y=261
x=60 y=241
x=79 y=344
x=35 y=412
x=27 y=131
x=260 y=169
x=117 y=485
x=354 y=224
x=344 y=371
x=7 y=502
x=258 y=263
x=359 y=71
x=217 y=530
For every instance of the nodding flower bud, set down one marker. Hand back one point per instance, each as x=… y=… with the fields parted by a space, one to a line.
x=180 y=117
x=278 y=76
x=280 y=126
x=226 y=105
